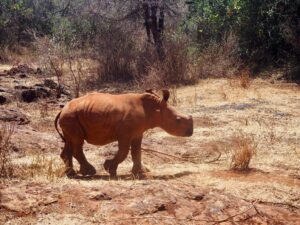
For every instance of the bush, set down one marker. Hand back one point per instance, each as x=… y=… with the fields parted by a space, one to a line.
x=220 y=59
x=21 y=20
x=268 y=31
x=176 y=67
x=116 y=53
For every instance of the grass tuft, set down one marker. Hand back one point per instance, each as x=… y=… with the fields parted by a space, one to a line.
x=6 y=133
x=243 y=149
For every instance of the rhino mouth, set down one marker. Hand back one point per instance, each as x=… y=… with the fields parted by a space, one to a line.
x=189 y=132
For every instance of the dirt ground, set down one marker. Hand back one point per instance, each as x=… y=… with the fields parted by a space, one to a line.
x=197 y=190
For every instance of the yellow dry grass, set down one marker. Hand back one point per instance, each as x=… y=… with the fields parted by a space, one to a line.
x=242 y=150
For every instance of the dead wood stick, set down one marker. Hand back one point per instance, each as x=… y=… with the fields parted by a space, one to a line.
x=278 y=203
x=162 y=153
x=185 y=158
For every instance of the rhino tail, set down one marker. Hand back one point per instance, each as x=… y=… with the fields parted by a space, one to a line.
x=56 y=127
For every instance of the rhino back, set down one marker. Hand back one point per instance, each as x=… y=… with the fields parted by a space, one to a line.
x=106 y=118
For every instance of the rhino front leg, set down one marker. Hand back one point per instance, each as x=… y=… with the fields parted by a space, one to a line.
x=136 y=154
x=112 y=165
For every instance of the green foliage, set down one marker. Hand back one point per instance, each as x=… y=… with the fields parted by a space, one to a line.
x=209 y=20
x=20 y=19
x=267 y=32
x=260 y=26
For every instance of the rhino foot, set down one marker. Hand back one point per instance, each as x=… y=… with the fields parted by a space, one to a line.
x=70 y=172
x=110 y=168
x=139 y=171
x=87 y=170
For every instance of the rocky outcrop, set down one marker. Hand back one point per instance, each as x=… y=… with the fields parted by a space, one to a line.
x=13 y=115
x=31 y=90
x=23 y=69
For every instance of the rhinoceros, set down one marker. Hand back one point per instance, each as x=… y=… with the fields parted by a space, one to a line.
x=101 y=118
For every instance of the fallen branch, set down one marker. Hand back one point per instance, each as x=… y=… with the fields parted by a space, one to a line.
x=162 y=153
x=278 y=203
x=184 y=158
x=210 y=161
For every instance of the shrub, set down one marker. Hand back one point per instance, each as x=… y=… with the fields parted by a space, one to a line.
x=176 y=67
x=116 y=53
x=220 y=59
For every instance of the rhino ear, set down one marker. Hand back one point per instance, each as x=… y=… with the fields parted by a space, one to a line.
x=150 y=91
x=166 y=95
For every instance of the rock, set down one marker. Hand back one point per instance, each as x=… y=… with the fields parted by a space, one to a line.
x=31 y=94
x=198 y=197
x=43 y=92
x=50 y=84
x=13 y=115
x=20 y=69
x=62 y=90
x=21 y=87
x=2 y=89
x=5 y=97
x=23 y=75
x=38 y=71
x=99 y=197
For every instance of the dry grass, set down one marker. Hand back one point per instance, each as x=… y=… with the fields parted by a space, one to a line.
x=117 y=55
x=174 y=69
x=51 y=57
x=44 y=109
x=40 y=166
x=75 y=66
x=243 y=148
x=220 y=59
x=6 y=133
x=245 y=78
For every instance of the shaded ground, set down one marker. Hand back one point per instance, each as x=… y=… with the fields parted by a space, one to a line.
x=176 y=191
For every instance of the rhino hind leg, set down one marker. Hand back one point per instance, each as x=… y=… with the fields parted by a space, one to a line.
x=66 y=156
x=85 y=167
x=74 y=142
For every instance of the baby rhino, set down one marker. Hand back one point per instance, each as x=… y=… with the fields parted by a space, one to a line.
x=102 y=118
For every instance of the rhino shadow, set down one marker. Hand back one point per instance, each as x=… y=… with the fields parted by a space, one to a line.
x=131 y=177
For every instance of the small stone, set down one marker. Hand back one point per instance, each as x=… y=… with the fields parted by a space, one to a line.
x=198 y=197
x=23 y=75
x=3 y=99
x=102 y=196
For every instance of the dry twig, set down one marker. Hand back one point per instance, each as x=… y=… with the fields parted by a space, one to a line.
x=184 y=158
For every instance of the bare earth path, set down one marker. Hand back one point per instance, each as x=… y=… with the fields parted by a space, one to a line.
x=175 y=192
